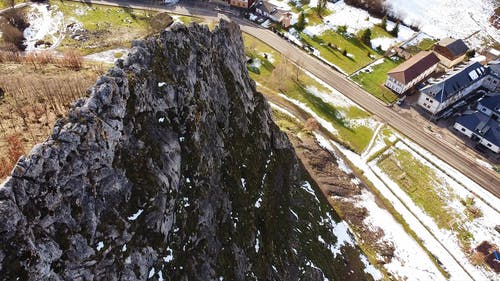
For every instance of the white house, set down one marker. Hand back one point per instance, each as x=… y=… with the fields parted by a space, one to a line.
x=452 y=87
x=490 y=105
x=481 y=128
x=409 y=73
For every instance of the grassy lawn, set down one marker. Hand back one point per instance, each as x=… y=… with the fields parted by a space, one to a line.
x=424 y=45
x=373 y=82
x=378 y=31
x=313 y=17
x=351 y=44
x=5 y=4
x=281 y=76
x=187 y=20
x=108 y=27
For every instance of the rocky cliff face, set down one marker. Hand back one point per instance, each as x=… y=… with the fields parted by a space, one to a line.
x=172 y=169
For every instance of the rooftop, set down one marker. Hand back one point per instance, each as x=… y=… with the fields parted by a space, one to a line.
x=481 y=124
x=412 y=68
x=492 y=103
x=456 y=47
x=449 y=84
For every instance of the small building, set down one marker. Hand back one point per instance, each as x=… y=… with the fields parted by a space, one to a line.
x=493 y=82
x=450 y=51
x=481 y=128
x=490 y=105
x=272 y=12
x=241 y=3
x=451 y=87
x=409 y=73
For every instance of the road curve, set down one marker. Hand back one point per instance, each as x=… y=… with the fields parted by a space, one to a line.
x=488 y=179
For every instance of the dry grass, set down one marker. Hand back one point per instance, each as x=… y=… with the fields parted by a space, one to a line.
x=71 y=59
x=36 y=94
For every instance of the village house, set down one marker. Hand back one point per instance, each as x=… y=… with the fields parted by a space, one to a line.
x=490 y=106
x=450 y=51
x=241 y=3
x=456 y=85
x=272 y=12
x=483 y=126
x=409 y=73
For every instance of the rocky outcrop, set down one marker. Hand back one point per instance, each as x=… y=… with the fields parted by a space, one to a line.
x=172 y=169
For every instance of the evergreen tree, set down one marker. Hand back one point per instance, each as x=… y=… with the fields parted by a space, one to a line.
x=366 y=36
x=383 y=24
x=395 y=30
x=320 y=7
x=301 y=22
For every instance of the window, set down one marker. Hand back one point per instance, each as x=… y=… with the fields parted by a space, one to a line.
x=488 y=144
x=463 y=129
x=425 y=104
x=431 y=101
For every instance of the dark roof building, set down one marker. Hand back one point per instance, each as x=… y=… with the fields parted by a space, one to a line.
x=450 y=51
x=490 y=106
x=451 y=48
x=450 y=85
x=272 y=12
x=481 y=127
x=241 y=3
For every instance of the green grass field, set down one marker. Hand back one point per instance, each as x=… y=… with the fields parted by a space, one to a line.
x=4 y=3
x=351 y=44
x=373 y=82
x=108 y=27
x=424 y=45
x=284 y=77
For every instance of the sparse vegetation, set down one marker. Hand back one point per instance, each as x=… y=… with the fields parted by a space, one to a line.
x=36 y=93
x=105 y=27
x=14 y=150
x=419 y=182
x=428 y=192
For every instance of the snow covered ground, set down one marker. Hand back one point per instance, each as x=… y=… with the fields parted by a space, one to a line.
x=45 y=24
x=356 y=19
x=441 y=18
x=108 y=56
x=410 y=261
x=452 y=191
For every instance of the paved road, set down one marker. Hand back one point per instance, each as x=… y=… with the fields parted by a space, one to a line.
x=463 y=162
x=407 y=126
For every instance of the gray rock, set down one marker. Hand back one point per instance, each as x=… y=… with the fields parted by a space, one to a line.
x=172 y=167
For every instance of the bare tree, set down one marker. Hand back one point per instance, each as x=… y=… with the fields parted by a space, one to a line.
x=281 y=72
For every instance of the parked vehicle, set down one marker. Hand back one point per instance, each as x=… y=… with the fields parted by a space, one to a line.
x=401 y=100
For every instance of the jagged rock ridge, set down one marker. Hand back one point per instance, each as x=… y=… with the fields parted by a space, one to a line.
x=172 y=169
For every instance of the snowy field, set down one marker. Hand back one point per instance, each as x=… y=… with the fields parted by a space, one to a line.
x=482 y=228
x=410 y=261
x=357 y=19
x=441 y=18
x=108 y=56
